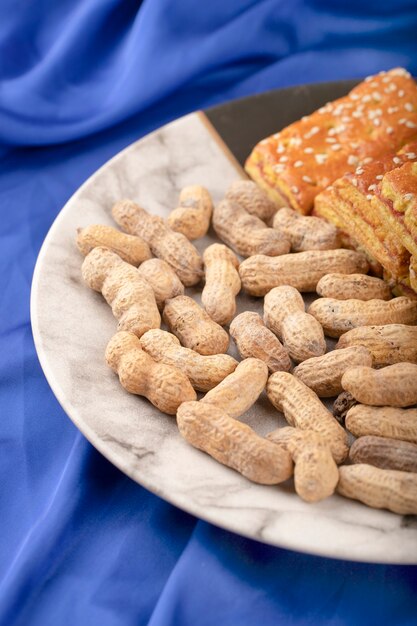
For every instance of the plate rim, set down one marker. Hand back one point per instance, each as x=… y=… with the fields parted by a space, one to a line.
x=116 y=459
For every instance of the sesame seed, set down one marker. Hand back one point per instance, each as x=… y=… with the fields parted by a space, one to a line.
x=280 y=148
x=283 y=159
x=408 y=196
x=279 y=168
x=401 y=93
x=312 y=131
x=298 y=164
x=331 y=131
x=400 y=71
x=375 y=113
x=352 y=160
x=322 y=110
x=408 y=107
x=374 y=84
x=379 y=177
x=392 y=110
x=308 y=150
x=294 y=189
x=330 y=140
x=296 y=141
x=397 y=160
x=376 y=96
x=321 y=158
x=263 y=142
x=369 y=197
x=411 y=155
x=354 y=96
x=354 y=182
x=368 y=78
x=359 y=171
x=366 y=98
x=340 y=128
x=354 y=145
x=357 y=114
x=402 y=120
x=411 y=125
x=377 y=121
x=386 y=79
x=276 y=135
x=335 y=147
x=390 y=130
x=307 y=179
x=338 y=110
x=346 y=118
x=367 y=160
x=371 y=187
x=304 y=118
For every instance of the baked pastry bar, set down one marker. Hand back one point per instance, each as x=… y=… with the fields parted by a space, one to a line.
x=413 y=273
x=370 y=206
x=379 y=115
x=398 y=195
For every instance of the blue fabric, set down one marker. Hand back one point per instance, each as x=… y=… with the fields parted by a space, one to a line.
x=80 y=543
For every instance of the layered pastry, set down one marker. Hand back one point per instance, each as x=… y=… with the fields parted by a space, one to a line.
x=398 y=196
x=399 y=212
x=413 y=273
x=378 y=116
x=376 y=207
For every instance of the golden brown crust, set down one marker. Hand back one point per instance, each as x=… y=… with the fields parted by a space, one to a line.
x=398 y=196
x=413 y=273
x=364 y=204
x=377 y=116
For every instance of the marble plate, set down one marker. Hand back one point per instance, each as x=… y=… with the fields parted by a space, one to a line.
x=72 y=325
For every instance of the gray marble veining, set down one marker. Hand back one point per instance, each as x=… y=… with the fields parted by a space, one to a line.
x=72 y=326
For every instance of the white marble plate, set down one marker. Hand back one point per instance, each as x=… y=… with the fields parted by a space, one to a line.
x=72 y=325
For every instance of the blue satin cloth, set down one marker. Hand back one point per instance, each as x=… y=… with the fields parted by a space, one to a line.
x=80 y=543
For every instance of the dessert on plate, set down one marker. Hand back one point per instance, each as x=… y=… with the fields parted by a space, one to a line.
x=378 y=116
x=354 y=162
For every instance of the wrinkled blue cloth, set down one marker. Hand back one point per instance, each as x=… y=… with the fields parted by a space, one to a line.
x=80 y=543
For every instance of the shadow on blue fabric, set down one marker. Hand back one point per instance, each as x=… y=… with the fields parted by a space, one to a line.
x=80 y=543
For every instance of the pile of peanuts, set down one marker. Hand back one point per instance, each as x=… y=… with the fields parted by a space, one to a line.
x=142 y=273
